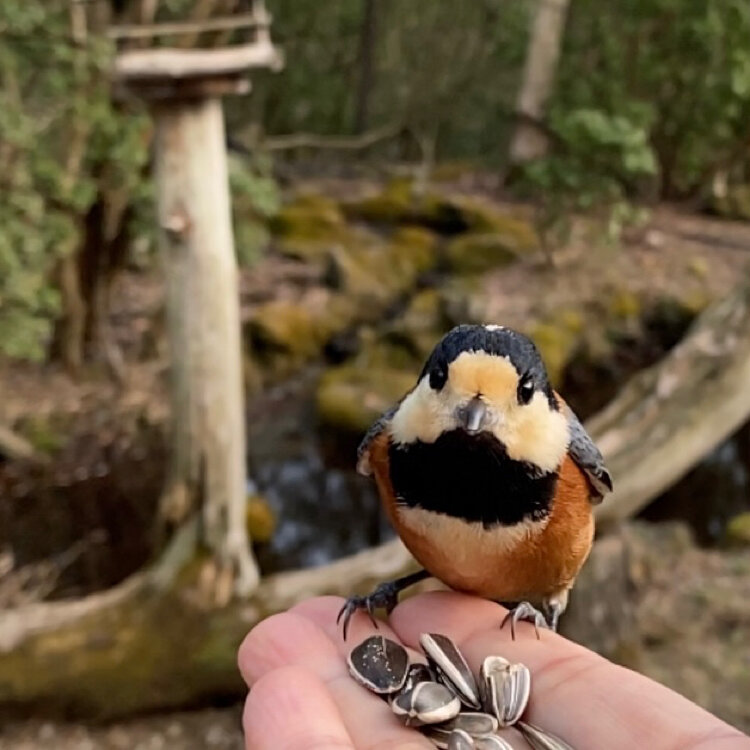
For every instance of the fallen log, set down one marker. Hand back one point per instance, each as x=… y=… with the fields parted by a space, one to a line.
x=670 y=415
x=155 y=642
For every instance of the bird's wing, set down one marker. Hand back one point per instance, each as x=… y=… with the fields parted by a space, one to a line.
x=583 y=451
x=363 y=452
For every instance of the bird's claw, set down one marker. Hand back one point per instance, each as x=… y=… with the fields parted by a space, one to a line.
x=524 y=611
x=385 y=596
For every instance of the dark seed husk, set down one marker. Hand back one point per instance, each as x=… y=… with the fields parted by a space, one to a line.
x=417 y=673
x=379 y=664
x=460 y=740
x=491 y=742
x=539 y=739
x=427 y=703
x=477 y=724
x=450 y=663
x=439 y=735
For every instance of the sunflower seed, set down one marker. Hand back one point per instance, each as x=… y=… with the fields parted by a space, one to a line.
x=539 y=739
x=379 y=664
x=491 y=742
x=506 y=689
x=427 y=703
x=438 y=735
x=452 y=667
x=477 y=724
x=460 y=740
x=490 y=666
x=417 y=673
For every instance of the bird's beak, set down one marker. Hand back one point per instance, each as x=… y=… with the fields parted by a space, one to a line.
x=473 y=416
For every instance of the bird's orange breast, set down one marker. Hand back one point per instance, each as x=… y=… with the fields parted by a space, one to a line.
x=527 y=560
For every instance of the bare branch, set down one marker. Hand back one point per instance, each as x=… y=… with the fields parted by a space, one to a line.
x=339 y=142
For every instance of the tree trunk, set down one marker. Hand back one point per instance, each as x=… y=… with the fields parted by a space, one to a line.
x=529 y=141
x=366 y=74
x=208 y=450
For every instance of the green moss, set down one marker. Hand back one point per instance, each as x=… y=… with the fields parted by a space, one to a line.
x=286 y=326
x=351 y=398
x=482 y=216
x=308 y=217
x=391 y=206
x=398 y=204
x=376 y=274
x=738 y=530
x=624 y=304
x=478 y=252
x=45 y=434
x=260 y=519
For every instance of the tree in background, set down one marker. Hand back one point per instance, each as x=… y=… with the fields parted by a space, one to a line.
x=529 y=139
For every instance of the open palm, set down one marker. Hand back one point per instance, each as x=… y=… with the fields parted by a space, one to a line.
x=303 y=697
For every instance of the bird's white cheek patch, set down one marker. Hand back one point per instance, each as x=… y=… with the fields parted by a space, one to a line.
x=420 y=416
x=535 y=433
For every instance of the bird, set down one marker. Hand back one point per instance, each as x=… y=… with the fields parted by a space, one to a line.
x=488 y=477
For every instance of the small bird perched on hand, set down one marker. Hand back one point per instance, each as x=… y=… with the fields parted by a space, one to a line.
x=487 y=476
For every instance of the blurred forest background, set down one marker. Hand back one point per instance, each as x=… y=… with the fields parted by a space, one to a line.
x=579 y=170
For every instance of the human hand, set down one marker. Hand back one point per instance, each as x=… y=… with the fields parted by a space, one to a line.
x=303 y=697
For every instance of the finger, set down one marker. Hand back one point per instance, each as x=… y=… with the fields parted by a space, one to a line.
x=293 y=638
x=291 y=708
x=576 y=694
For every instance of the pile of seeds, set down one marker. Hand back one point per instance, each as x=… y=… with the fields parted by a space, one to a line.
x=444 y=700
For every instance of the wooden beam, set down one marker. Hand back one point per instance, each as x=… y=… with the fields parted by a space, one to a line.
x=143 y=65
x=177 y=28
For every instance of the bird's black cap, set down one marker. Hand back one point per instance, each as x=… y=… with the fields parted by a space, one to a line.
x=497 y=340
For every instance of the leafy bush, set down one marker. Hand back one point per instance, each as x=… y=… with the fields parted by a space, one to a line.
x=60 y=140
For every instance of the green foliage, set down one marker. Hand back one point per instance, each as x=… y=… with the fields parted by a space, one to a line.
x=255 y=199
x=441 y=69
x=60 y=142
x=669 y=77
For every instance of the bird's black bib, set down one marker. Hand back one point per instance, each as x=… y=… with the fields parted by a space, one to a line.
x=470 y=477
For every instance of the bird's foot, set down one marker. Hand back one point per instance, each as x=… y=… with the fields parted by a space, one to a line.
x=385 y=596
x=524 y=611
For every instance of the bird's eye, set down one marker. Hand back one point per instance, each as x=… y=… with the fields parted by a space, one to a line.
x=438 y=376
x=525 y=390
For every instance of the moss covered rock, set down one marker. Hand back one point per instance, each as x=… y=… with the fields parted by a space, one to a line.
x=260 y=519
x=738 y=530
x=309 y=217
x=378 y=273
x=476 y=252
x=399 y=203
x=350 y=398
x=285 y=334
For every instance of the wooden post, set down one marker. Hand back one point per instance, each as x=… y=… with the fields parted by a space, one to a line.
x=208 y=473
x=208 y=468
